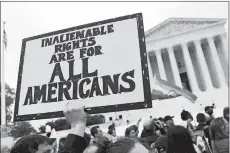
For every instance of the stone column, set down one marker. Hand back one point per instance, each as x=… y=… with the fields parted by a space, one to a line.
x=189 y=68
x=160 y=65
x=203 y=65
x=216 y=60
x=224 y=44
x=174 y=66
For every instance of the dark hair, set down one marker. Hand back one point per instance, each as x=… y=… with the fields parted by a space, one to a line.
x=129 y=129
x=226 y=111
x=208 y=107
x=185 y=115
x=200 y=118
x=179 y=140
x=168 y=117
x=112 y=126
x=102 y=145
x=94 y=130
x=124 y=145
x=48 y=134
x=161 y=119
x=111 y=131
x=127 y=132
x=28 y=143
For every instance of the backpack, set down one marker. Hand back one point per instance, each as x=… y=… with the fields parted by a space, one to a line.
x=202 y=141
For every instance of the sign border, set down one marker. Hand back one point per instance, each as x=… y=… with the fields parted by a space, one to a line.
x=147 y=103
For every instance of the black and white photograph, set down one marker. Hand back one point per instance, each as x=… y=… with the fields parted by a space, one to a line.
x=114 y=77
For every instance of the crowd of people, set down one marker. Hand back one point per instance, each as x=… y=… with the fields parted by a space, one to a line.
x=159 y=135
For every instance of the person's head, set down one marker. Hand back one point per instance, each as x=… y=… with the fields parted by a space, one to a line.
x=96 y=132
x=200 y=118
x=226 y=113
x=132 y=131
x=186 y=116
x=148 y=125
x=112 y=132
x=128 y=145
x=32 y=144
x=112 y=126
x=217 y=129
x=154 y=119
x=179 y=140
x=100 y=146
x=169 y=120
x=209 y=110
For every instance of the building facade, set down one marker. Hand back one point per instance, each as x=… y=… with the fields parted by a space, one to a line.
x=193 y=54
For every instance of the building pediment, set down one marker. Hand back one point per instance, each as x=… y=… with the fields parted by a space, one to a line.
x=175 y=25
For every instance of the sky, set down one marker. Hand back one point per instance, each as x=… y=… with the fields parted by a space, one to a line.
x=26 y=19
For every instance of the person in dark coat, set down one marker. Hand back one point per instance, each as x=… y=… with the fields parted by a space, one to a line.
x=75 y=141
x=148 y=133
x=180 y=141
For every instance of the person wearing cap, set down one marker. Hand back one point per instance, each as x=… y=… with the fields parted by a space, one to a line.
x=209 y=111
x=169 y=120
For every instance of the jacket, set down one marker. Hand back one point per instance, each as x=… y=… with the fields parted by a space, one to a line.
x=149 y=137
x=74 y=144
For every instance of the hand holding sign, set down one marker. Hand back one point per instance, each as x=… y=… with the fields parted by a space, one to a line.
x=77 y=118
x=75 y=114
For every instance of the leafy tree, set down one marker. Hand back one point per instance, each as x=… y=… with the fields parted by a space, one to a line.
x=95 y=119
x=61 y=124
x=20 y=129
x=9 y=97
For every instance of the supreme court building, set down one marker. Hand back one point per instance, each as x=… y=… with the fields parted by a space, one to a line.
x=193 y=54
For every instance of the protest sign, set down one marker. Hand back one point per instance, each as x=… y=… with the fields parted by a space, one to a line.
x=102 y=65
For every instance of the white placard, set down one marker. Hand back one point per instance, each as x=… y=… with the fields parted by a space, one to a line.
x=98 y=64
